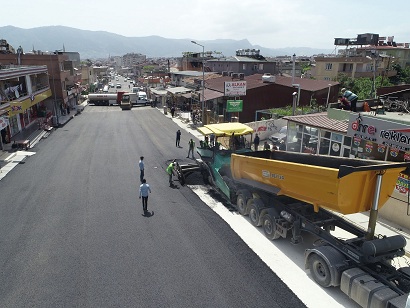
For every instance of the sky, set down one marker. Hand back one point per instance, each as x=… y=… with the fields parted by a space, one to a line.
x=268 y=23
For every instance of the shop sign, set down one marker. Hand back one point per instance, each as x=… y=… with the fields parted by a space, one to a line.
x=235 y=88
x=234 y=106
x=387 y=133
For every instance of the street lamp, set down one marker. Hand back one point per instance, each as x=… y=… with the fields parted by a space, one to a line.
x=203 y=82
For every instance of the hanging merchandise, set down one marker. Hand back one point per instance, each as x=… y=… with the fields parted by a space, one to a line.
x=407 y=156
x=356 y=141
x=369 y=147
x=381 y=148
x=394 y=152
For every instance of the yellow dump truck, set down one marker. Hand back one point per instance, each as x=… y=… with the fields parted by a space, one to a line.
x=290 y=194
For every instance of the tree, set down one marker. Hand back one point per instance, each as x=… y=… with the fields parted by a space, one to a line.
x=402 y=76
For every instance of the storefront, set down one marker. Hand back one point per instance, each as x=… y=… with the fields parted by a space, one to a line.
x=364 y=136
x=379 y=138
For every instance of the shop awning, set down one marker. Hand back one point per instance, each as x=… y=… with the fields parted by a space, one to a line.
x=226 y=129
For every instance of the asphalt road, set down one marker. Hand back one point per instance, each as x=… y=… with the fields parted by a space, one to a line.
x=72 y=230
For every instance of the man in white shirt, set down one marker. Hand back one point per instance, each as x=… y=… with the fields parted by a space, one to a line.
x=144 y=189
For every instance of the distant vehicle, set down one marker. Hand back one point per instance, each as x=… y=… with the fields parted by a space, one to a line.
x=118 y=86
x=268 y=77
x=280 y=136
x=105 y=90
x=125 y=101
x=142 y=98
x=103 y=99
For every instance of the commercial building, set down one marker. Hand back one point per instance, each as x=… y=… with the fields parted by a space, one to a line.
x=24 y=94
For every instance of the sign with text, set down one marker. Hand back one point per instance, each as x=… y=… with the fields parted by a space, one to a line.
x=234 y=106
x=235 y=88
x=387 y=133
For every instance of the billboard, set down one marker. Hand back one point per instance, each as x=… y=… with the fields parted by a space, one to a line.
x=387 y=133
x=235 y=88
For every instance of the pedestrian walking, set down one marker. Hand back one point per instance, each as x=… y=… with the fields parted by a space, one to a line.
x=141 y=165
x=170 y=171
x=144 y=189
x=178 y=138
x=191 y=144
x=256 y=142
x=172 y=111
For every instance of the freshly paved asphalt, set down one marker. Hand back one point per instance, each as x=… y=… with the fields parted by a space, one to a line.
x=72 y=230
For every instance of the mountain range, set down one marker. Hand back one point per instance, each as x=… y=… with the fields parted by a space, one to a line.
x=102 y=44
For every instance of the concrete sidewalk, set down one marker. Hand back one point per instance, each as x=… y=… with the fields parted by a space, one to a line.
x=11 y=157
x=383 y=227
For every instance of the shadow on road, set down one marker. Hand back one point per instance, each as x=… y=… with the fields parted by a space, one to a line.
x=148 y=214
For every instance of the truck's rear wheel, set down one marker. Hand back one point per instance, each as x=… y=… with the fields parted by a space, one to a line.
x=241 y=204
x=269 y=227
x=319 y=270
x=254 y=207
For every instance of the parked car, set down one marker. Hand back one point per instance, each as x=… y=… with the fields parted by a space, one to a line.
x=118 y=86
x=276 y=138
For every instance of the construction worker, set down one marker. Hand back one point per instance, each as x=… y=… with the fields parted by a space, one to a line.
x=170 y=171
x=191 y=144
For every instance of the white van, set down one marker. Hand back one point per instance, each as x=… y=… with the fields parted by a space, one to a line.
x=105 y=90
x=142 y=95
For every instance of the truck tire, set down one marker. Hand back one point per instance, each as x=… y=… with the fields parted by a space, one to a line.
x=269 y=227
x=319 y=270
x=254 y=208
x=241 y=200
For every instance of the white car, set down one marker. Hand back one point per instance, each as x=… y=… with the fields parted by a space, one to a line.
x=276 y=138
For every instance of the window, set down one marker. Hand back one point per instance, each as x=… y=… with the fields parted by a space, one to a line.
x=328 y=66
x=369 y=67
x=255 y=67
x=261 y=67
x=244 y=66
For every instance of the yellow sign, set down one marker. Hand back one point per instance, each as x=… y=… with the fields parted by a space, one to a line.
x=20 y=107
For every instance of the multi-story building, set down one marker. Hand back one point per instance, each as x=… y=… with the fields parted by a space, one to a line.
x=131 y=59
x=24 y=92
x=371 y=56
x=246 y=61
x=64 y=77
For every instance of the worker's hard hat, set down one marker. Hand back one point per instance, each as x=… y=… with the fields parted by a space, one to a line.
x=343 y=89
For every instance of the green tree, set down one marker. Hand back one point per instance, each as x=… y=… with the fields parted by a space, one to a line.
x=148 y=68
x=402 y=76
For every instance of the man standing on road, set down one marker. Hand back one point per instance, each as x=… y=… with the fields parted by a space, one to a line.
x=170 y=171
x=141 y=165
x=144 y=189
x=178 y=138
x=191 y=144
x=256 y=142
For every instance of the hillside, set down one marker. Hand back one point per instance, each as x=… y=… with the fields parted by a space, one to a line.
x=101 y=44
